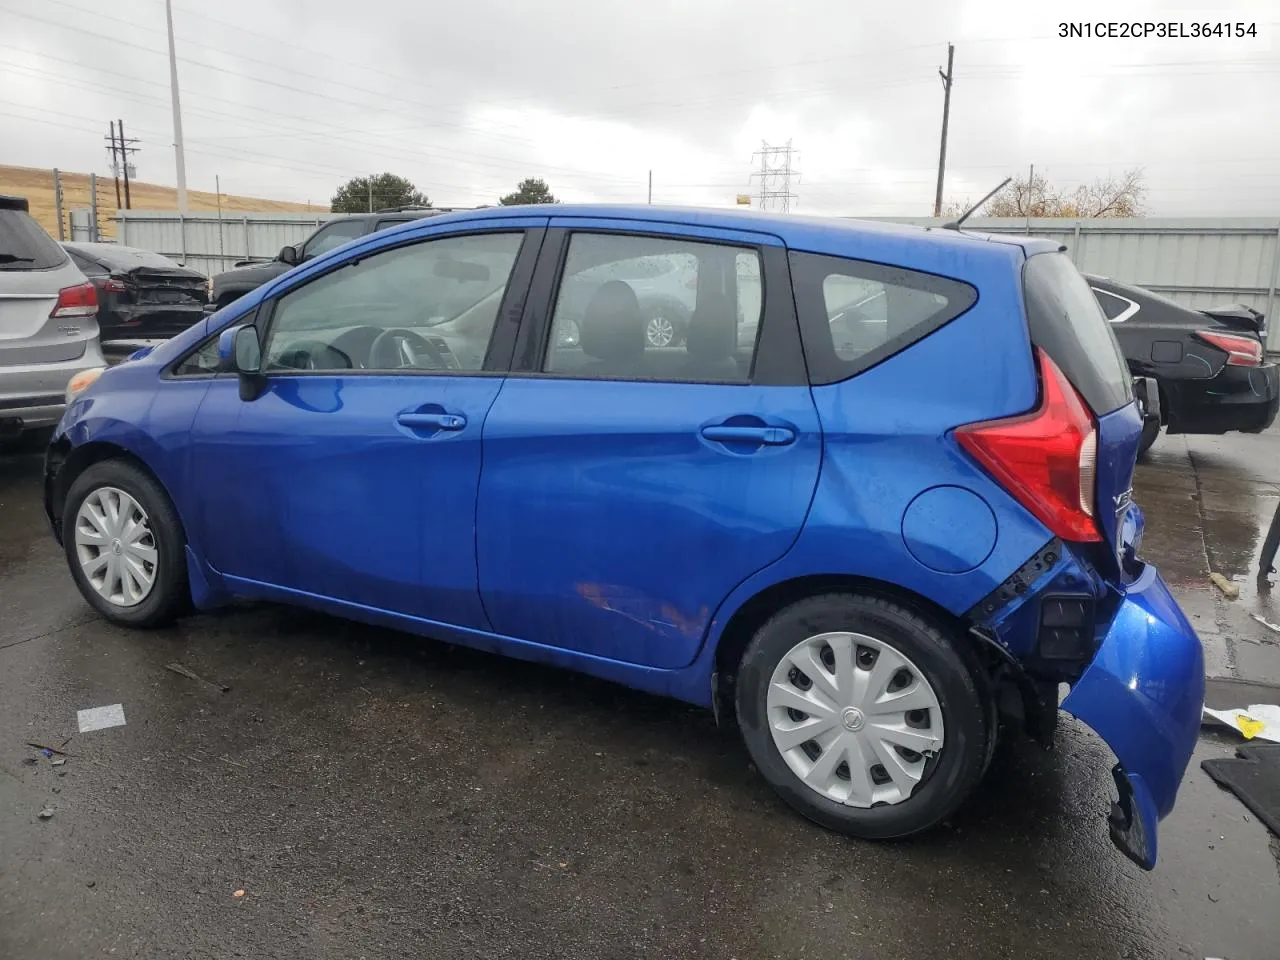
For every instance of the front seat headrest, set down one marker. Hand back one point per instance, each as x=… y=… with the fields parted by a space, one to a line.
x=612 y=328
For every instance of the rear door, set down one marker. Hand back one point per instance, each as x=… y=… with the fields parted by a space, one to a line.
x=628 y=487
x=33 y=269
x=1067 y=322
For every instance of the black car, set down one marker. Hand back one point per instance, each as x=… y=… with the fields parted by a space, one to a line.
x=141 y=295
x=233 y=284
x=1210 y=365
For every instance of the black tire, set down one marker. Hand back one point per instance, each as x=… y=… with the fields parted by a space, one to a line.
x=1150 y=430
x=950 y=668
x=170 y=594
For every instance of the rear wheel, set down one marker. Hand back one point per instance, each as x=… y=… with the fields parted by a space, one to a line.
x=863 y=716
x=125 y=545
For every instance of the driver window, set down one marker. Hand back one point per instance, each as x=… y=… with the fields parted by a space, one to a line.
x=426 y=306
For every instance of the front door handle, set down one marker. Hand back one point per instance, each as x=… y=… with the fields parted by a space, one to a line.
x=436 y=421
x=769 y=436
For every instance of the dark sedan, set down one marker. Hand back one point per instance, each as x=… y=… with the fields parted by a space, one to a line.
x=1211 y=364
x=141 y=295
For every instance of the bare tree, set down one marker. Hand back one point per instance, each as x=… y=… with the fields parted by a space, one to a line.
x=1035 y=197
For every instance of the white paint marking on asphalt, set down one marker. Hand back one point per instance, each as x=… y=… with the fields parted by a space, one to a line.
x=100 y=718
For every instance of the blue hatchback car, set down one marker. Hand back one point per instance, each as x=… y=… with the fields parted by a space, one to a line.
x=878 y=497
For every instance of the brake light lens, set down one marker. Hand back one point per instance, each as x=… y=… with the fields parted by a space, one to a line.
x=1241 y=351
x=1046 y=459
x=78 y=301
x=112 y=285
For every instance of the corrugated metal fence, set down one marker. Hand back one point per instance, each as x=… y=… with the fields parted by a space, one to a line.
x=211 y=244
x=1199 y=262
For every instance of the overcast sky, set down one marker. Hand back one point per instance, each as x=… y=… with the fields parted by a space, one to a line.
x=288 y=98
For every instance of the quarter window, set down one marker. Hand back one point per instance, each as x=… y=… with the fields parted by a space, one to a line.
x=853 y=314
x=421 y=307
x=655 y=308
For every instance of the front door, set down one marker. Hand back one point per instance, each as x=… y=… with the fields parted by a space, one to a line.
x=631 y=482
x=353 y=476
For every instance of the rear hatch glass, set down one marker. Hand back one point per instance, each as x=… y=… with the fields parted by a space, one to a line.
x=24 y=245
x=1066 y=322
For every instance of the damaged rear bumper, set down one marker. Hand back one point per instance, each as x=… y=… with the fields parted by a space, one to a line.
x=1143 y=694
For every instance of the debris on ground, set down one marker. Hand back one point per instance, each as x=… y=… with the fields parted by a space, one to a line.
x=1260 y=720
x=46 y=813
x=101 y=718
x=57 y=761
x=1253 y=775
x=1265 y=622
x=1229 y=589
x=185 y=671
x=238 y=893
x=47 y=749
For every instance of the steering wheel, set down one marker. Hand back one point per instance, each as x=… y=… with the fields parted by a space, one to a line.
x=399 y=349
x=313 y=355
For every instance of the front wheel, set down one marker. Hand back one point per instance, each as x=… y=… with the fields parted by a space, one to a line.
x=864 y=717
x=125 y=545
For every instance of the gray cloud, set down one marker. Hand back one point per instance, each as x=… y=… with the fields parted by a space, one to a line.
x=286 y=99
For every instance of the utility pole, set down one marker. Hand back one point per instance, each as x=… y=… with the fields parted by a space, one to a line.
x=775 y=176
x=371 y=193
x=946 y=116
x=115 y=169
x=125 y=150
x=650 y=186
x=177 y=112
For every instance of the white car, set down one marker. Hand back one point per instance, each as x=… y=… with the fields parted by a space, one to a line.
x=48 y=323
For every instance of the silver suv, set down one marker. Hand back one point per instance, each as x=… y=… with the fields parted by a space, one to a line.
x=48 y=322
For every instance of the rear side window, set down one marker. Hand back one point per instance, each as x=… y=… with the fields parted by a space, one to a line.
x=1067 y=322
x=854 y=314
x=24 y=245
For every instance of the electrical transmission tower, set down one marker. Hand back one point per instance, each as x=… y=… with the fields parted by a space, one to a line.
x=120 y=149
x=775 y=175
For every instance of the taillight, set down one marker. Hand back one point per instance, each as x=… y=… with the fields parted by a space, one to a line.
x=78 y=301
x=1046 y=459
x=112 y=285
x=1241 y=351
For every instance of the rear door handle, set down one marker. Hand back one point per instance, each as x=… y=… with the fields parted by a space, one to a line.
x=769 y=436
x=439 y=421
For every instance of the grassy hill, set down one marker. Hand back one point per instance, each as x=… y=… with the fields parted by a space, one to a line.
x=37 y=186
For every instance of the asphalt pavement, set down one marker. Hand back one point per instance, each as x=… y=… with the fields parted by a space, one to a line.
x=375 y=795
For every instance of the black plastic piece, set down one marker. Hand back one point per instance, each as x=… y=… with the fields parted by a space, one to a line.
x=1127 y=831
x=1066 y=628
x=1018 y=583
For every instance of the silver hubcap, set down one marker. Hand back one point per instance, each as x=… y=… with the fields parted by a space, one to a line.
x=660 y=332
x=854 y=718
x=116 y=547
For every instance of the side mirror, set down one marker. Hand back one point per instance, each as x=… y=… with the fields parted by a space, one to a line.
x=240 y=352
x=289 y=255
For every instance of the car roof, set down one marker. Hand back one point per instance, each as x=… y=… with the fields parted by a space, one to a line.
x=14 y=203
x=817 y=234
